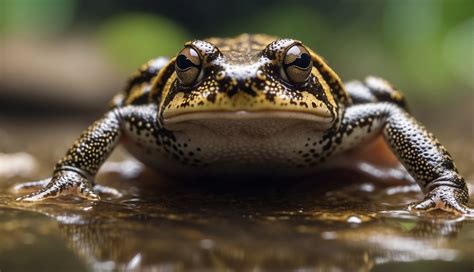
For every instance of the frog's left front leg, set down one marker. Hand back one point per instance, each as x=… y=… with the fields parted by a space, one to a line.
x=422 y=155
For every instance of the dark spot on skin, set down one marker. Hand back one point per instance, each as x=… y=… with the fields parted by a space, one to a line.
x=211 y=97
x=327 y=146
x=270 y=96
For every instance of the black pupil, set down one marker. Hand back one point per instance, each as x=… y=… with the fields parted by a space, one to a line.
x=302 y=61
x=184 y=63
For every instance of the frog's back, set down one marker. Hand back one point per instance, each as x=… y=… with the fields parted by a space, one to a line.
x=242 y=49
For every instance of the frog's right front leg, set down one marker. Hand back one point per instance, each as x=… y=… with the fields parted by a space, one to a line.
x=74 y=173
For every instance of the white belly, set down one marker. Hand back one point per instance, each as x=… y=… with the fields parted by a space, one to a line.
x=230 y=150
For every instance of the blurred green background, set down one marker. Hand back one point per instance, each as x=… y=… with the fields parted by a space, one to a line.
x=68 y=55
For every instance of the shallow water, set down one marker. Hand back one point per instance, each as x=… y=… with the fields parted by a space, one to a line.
x=337 y=221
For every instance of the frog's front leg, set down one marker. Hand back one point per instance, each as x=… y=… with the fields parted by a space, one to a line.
x=38 y=184
x=74 y=173
x=418 y=150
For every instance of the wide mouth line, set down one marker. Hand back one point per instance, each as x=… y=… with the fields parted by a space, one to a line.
x=248 y=115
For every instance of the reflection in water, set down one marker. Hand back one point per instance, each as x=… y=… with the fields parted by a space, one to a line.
x=248 y=225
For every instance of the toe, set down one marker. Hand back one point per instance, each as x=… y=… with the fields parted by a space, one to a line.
x=427 y=204
x=85 y=191
x=458 y=208
x=40 y=195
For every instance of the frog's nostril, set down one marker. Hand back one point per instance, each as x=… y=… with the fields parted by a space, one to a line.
x=261 y=75
x=220 y=75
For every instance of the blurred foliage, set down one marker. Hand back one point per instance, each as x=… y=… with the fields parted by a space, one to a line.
x=40 y=17
x=425 y=47
x=429 y=43
x=132 y=39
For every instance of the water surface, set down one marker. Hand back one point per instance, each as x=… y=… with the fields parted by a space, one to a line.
x=337 y=221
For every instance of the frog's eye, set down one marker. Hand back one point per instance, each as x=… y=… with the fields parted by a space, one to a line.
x=188 y=66
x=297 y=64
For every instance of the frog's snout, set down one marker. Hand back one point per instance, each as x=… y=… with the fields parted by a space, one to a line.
x=241 y=78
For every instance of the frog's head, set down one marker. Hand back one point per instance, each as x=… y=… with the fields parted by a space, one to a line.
x=250 y=77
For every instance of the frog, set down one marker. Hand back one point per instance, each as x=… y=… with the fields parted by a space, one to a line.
x=252 y=105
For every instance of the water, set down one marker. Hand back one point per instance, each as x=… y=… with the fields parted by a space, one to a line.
x=337 y=221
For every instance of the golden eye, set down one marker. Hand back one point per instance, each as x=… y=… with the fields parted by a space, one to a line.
x=188 y=66
x=297 y=64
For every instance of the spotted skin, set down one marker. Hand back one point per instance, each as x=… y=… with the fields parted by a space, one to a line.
x=62 y=182
x=244 y=74
x=93 y=147
x=82 y=161
x=375 y=89
x=419 y=151
x=242 y=115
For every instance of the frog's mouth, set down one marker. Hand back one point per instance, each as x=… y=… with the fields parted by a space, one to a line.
x=244 y=114
x=319 y=120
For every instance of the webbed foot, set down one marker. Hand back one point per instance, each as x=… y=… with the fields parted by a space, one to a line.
x=62 y=183
x=446 y=198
